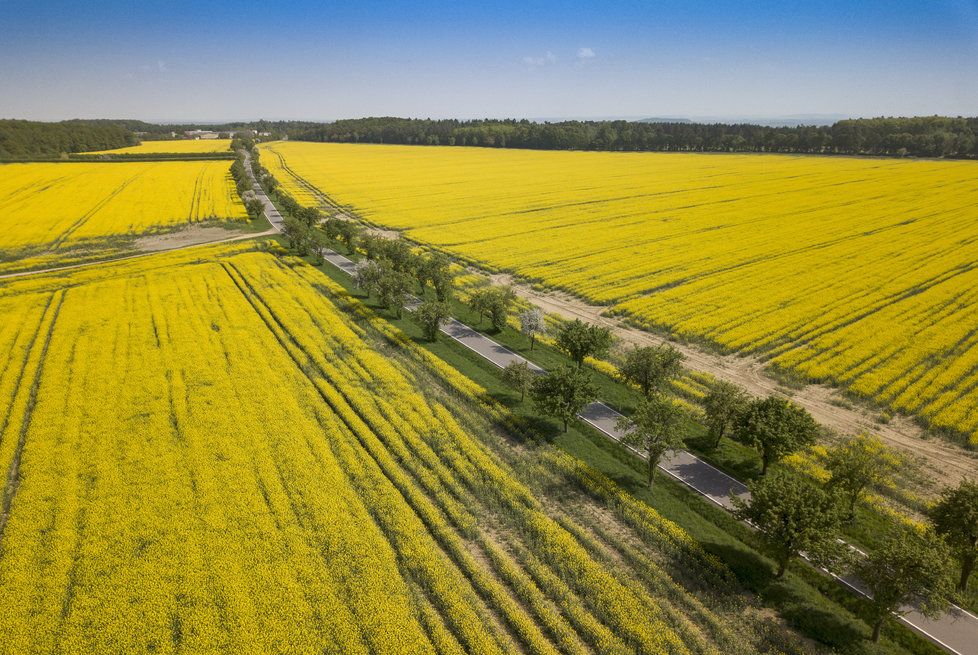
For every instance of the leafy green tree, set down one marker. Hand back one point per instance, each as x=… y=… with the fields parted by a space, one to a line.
x=500 y=301
x=794 y=516
x=532 y=324
x=955 y=517
x=372 y=245
x=563 y=393
x=400 y=254
x=309 y=215
x=908 y=569
x=436 y=269
x=317 y=243
x=860 y=462
x=494 y=302
x=651 y=368
x=656 y=427
x=298 y=234
x=479 y=302
x=349 y=233
x=581 y=340
x=443 y=280
x=366 y=276
x=392 y=287
x=519 y=376
x=332 y=228
x=724 y=402
x=430 y=315
x=776 y=428
x=255 y=208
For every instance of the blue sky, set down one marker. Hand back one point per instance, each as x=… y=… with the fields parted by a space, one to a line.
x=324 y=60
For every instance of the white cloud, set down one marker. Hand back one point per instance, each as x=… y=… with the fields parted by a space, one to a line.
x=158 y=67
x=584 y=54
x=549 y=58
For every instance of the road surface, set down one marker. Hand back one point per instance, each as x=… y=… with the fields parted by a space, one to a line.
x=271 y=211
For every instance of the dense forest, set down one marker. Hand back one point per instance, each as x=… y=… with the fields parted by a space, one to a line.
x=27 y=139
x=933 y=136
x=22 y=139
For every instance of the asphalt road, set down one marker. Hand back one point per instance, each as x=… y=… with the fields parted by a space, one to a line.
x=271 y=212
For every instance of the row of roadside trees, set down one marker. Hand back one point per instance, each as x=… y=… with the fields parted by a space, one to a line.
x=794 y=514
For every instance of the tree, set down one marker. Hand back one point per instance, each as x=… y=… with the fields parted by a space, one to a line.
x=479 y=302
x=519 y=376
x=580 y=340
x=724 y=402
x=372 y=245
x=562 y=394
x=443 y=280
x=656 y=427
x=500 y=300
x=332 y=228
x=858 y=463
x=794 y=515
x=493 y=302
x=651 y=368
x=776 y=428
x=398 y=252
x=955 y=517
x=348 y=232
x=366 y=276
x=392 y=287
x=531 y=324
x=436 y=269
x=317 y=243
x=309 y=215
x=254 y=208
x=298 y=234
x=908 y=569
x=430 y=315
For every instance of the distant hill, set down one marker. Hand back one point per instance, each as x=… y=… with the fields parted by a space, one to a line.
x=658 y=119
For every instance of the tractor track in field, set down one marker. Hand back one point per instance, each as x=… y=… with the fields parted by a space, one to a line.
x=154 y=250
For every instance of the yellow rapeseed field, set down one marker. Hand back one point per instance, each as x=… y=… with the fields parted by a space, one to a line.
x=218 y=451
x=856 y=271
x=182 y=146
x=52 y=207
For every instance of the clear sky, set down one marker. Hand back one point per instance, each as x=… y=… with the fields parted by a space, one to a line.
x=324 y=60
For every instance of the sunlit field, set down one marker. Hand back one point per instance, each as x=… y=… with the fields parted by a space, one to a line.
x=182 y=146
x=856 y=271
x=48 y=209
x=218 y=450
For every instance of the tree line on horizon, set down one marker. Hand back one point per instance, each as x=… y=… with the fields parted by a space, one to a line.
x=929 y=136
x=25 y=139
x=926 y=136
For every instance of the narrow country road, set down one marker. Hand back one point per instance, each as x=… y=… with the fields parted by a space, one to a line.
x=271 y=211
x=956 y=631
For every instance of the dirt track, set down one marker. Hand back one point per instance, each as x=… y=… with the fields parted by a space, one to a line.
x=946 y=463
